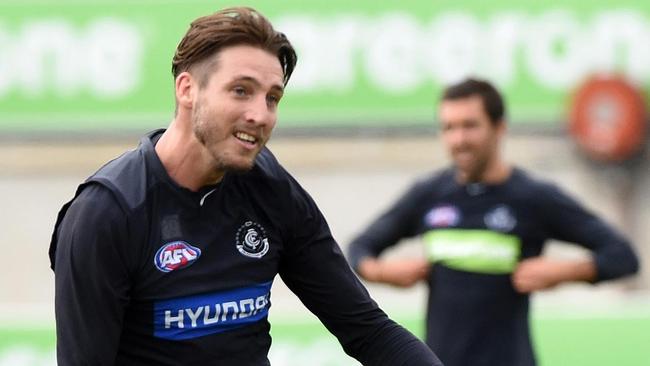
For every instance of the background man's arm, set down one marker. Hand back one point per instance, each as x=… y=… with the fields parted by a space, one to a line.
x=397 y=222
x=565 y=219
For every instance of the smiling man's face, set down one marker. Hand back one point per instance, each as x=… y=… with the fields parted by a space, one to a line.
x=471 y=139
x=234 y=114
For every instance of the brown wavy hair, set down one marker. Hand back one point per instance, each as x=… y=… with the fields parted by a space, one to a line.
x=490 y=96
x=232 y=26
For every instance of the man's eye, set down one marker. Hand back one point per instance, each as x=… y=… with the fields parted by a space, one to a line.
x=272 y=99
x=241 y=91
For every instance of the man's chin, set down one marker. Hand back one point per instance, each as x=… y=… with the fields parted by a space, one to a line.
x=241 y=165
x=238 y=168
x=467 y=175
x=236 y=162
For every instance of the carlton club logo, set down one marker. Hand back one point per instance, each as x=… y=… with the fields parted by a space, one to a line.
x=176 y=255
x=500 y=218
x=251 y=240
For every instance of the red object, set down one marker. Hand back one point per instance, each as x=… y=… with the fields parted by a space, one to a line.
x=608 y=118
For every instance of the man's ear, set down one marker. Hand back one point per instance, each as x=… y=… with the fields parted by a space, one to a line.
x=185 y=85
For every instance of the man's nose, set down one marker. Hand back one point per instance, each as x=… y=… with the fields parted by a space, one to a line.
x=258 y=112
x=456 y=137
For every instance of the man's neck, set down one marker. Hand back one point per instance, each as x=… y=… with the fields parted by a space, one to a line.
x=498 y=171
x=185 y=159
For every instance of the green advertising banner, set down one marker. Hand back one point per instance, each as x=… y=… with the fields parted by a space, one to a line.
x=558 y=342
x=105 y=65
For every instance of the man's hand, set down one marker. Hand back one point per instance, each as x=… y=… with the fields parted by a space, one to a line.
x=397 y=272
x=539 y=273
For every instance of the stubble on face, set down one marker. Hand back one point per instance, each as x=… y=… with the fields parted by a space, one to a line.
x=470 y=137
x=211 y=137
x=235 y=108
x=475 y=170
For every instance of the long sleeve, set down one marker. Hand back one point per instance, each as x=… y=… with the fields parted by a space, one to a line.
x=316 y=271
x=567 y=220
x=397 y=222
x=91 y=279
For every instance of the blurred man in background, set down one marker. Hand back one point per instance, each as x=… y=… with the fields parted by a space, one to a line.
x=484 y=224
x=167 y=254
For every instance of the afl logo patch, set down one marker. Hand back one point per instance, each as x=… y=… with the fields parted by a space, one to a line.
x=443 y=216
x=251 y=240
x=175 y=255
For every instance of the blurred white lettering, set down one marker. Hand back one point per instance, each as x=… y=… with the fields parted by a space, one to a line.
x=398 y=52
x=54 y=57
x=391 y=55
x=114 y=57
x=325 y=51
x=618 y=43
x=502 y=34
x=556 y=50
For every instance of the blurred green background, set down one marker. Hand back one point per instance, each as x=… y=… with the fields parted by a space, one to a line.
x=559 y=342
x=105 y=65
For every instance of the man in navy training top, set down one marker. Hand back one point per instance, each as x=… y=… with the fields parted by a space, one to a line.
x=484 y=223
x=167 y=254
